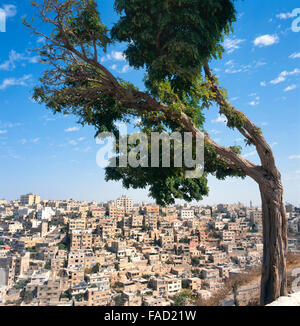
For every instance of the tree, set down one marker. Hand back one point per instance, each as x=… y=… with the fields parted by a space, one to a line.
x=28 y=296
x=174 y=41
x=48 y=265
x=185 y=284
x=183 y=298
x=184 y=240
x=195 y=261
x=120 y=224
x=119 y=300
x=96 y=268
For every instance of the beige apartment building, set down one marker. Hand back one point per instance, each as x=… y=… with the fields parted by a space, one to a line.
x=30 y=199
x=81 y=239
x=125 y=202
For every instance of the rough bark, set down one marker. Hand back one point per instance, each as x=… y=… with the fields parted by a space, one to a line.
x=274 y=274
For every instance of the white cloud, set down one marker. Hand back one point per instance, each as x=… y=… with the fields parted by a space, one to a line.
x=235 y=70
x=250 y=154
x=290 y=88
x=266 y=40
x=15 y=82
x=254 y=103
x=229 y=63
x=73 y=142
x=84 y=150
x=232 y=44
x=10 y=10
x=239 y=139
x=41 y=39
x=114 y=55
x=294 y=157
x=278 y=80
x=282 y=76
x=23 y=141
x=221 y=119
x=286 y=15
x=214 y=131
x=263 y=84
x=35 y=140
x=259 y=64
x=119 y=56
x=4 y=125
x=2 y=132
x=125 y=69
x=295 y=56
x=15 y=57
x=72 y=129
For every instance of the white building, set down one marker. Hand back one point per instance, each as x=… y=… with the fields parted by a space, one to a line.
x=45 y=213
x=187 y=214
x=3 y=277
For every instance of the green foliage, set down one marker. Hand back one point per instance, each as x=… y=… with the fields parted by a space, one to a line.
x=119 y=300
x=120 y=224
x=234 y=119
x=96 y=268
x=195 y=261
x=165 y=184
x=79 y=297
x=172 y=38
x=66 y=295
x=184 y=240
x=118 y=285
x=62 y=246
x=87 y=27
x=48 y=266
x=185 y=284
x=217 y=167
x=27 y=296
x=20 y=285
x=183 y=298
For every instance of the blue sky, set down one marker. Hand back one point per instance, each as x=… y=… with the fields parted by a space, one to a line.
x=56 y=158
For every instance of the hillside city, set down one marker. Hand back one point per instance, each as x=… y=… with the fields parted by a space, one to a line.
x=119 y=253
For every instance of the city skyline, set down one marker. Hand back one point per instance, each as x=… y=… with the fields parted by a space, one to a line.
x=182 y=203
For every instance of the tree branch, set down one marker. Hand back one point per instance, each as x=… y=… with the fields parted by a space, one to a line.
x=249 y=129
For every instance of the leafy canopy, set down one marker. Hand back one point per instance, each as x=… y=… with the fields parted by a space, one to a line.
x=171 y=39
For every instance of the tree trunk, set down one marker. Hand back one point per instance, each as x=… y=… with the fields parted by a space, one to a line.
x=274 y=275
